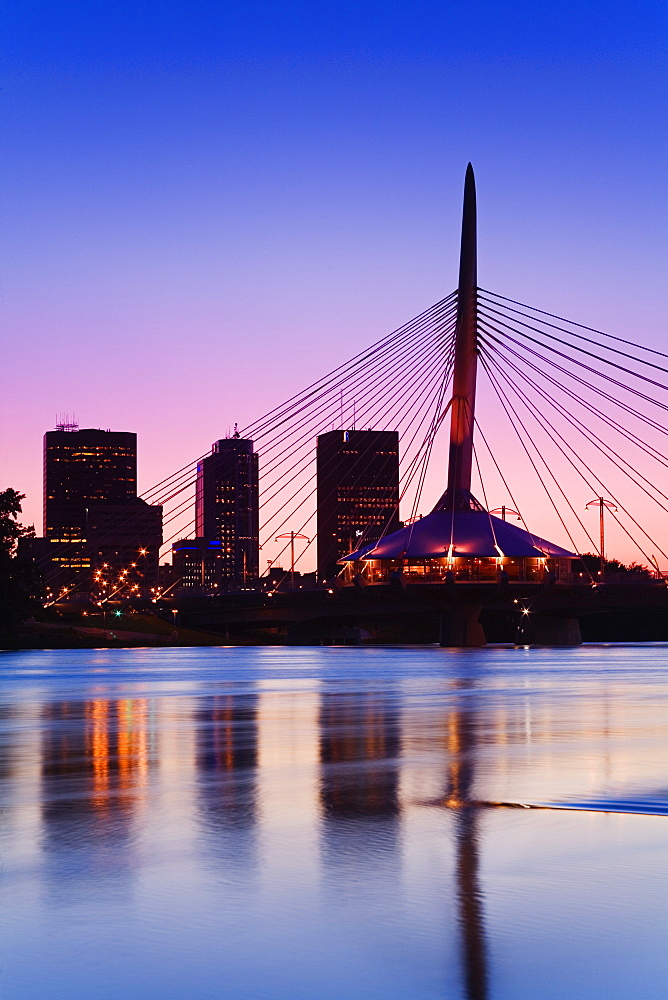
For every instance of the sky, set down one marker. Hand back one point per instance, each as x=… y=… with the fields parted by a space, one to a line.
x=207 y=206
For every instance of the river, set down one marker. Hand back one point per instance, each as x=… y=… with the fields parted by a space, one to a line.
x=334 y=823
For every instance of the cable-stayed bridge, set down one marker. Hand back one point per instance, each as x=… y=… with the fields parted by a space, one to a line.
x=497 y=405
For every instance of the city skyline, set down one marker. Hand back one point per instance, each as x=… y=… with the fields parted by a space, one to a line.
x=190 y=196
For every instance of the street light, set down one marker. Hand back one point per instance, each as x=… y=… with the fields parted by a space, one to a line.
x=292 y=535
x=601 y=504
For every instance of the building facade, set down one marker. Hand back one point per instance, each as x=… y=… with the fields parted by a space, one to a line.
x=358 y=492
x=198 y=565
x=227 y=507
x=83 y=467
x=98 y=535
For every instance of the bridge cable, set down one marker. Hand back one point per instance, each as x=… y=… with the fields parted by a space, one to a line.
x=592 y=436
x=311 y=432
x=588 y=368
x=581 y=326
x=416 y=405
x=502 y=398
x=584 y=431
x=401 y=478
x=645 y=446
x=589 y=385
x=540 y=418
x=428 y=370
x=273 y=417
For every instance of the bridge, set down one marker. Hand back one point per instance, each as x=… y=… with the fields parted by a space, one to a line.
x=441 y=613
x=580 y=406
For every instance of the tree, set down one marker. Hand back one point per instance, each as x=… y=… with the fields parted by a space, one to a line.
x=20 y=581
x=592 y=562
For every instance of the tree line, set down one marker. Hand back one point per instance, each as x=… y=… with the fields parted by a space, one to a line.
x=21 y=585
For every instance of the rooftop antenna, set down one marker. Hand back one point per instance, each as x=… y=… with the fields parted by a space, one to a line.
x=64 y=423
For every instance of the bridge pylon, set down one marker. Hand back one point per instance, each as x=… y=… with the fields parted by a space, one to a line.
x=462 y=414
x=460 y=545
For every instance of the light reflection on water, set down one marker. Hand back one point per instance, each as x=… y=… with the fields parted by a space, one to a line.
x=322 y=823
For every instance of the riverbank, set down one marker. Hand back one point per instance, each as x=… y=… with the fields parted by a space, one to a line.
x=90 y=631
x=126 y=631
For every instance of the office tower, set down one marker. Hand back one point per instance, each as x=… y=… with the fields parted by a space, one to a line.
x=83 y=467
x=358 y=492
x=227 y=506
x=98 y=535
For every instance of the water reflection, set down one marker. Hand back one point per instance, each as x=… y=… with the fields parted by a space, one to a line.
x=359 y=750
x=352 y=814
x=95 y=762
x=226 y=758
x=462 y=730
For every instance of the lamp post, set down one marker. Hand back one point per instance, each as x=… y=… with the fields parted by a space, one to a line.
x=292 y=535
x=601 y=504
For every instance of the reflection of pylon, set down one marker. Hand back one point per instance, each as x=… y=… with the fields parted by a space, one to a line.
x=461 y=745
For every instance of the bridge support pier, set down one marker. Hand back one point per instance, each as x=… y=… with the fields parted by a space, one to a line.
x=548 y=630
x=460 y=627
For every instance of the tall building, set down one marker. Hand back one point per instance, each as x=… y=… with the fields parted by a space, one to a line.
x=98 y=535
x=83 y=467
x=358 y=492
x=227 y=506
